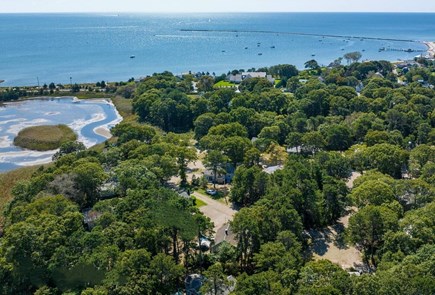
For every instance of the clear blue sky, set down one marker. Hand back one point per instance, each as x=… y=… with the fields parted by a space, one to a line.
x=216 y=5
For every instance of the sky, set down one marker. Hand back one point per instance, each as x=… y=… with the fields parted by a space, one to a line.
x=169 y=6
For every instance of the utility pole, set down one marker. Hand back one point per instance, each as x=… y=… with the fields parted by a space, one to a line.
x=70 y=81
x=37 y=79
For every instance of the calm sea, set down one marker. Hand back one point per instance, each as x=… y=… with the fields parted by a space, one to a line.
x=95 y=47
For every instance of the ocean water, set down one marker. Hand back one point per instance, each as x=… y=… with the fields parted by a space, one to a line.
x=83 y=116
x=95 y=47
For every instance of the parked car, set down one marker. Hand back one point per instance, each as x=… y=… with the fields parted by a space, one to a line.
x=211 y=192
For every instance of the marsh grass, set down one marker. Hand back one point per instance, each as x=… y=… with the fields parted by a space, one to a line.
x=124 y=106
x=44 y=138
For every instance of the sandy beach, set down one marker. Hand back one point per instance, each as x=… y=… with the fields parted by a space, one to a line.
x=430 y=48
x=103 y=131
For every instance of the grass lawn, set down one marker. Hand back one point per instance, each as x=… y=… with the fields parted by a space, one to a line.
x=277 y=81
x=224 y=84
x=219 y=194
x=199 y=203
x=44 y=138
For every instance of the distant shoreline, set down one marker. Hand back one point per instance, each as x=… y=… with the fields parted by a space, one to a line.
x=430 y=48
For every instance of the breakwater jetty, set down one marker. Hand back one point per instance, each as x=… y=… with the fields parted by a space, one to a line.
x=303 y=34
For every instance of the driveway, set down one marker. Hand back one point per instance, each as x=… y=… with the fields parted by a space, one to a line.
x=218 y=212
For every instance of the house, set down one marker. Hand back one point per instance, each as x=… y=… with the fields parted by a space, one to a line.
x=238 y=78
x=223 y=235
x=272 y=169
x=193 y=284
x=221 y=178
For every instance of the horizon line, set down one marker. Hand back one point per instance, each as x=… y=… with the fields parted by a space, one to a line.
x=209 y=12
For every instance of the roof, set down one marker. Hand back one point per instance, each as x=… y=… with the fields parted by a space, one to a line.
x=272 y=169
x=255 y=74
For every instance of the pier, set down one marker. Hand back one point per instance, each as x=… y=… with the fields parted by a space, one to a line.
x=409 y=50
x=304 y=34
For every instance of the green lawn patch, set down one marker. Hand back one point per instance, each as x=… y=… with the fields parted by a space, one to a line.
x=219 y=194
x=224 y=84
x=199 y=203
x=44 y=138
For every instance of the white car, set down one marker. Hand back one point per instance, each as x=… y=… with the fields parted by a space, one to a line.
x=211 y=192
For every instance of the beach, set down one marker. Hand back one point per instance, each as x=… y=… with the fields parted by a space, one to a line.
x=103 y=131
x=430 y=48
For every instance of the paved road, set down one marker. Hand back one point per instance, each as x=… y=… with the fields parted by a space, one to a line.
x=219 y=213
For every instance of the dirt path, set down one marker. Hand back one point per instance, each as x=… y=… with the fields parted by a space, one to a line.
x=218 y=212
x=329 y=243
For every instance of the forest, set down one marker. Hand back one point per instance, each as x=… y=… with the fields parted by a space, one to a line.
x=105 y=221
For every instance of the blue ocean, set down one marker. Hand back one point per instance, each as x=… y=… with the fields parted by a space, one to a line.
x=115 y=47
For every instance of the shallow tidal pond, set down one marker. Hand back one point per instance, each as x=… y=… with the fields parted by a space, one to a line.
x=90 y=119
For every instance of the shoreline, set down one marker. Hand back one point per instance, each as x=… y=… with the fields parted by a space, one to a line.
x=104 y=130
x=430 y=48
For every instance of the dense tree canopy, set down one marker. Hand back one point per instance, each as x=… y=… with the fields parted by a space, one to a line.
x=106 y=221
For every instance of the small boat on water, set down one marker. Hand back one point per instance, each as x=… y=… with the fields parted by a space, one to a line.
x=260 y=53
x=273 y=47
x=132 y=56
x=246 y=47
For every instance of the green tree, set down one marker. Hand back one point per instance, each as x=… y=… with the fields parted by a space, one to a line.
x=323 y=277
x=216 y=282
x=205 y=83
x=338 y=137
x=89 y=178
x=387 y=158
x=311 y=64
x=372 y=192
x=203 y=124
x=165 y=274
x=69 y=148
x=352 y=57
x=235 y=148
x=368 y=227
x=313 y=141
x=249 y=185
x=216 y=162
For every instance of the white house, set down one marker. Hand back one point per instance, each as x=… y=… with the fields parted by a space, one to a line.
x=238 y=78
